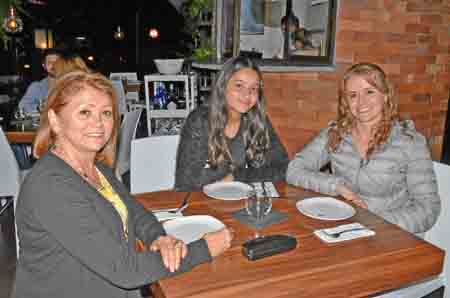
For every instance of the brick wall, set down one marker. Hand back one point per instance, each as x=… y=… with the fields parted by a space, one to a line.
x=409 y=39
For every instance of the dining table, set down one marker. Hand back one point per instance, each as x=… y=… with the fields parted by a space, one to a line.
x=390 y=259
x=21 y=131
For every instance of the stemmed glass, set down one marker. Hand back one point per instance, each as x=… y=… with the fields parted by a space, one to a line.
x=258 y=206
x=19 y=114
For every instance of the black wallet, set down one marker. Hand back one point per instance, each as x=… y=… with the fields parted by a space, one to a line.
x=262 y=247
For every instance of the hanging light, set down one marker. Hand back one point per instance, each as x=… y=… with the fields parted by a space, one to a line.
x=119 y=34
x=12 y=23
x=153 y=33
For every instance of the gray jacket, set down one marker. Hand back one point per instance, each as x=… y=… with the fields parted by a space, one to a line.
x=398 y=182
x=72 y=242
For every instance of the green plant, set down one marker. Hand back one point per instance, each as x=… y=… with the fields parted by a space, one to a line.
x=200 y=46
x=203 y=53
x=194 y=7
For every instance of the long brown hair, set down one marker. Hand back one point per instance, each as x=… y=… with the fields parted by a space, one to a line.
x=376 y=77
x=254 y=122
x=66 y=87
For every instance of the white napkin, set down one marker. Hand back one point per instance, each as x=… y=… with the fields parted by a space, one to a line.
x=324 y=234
x=164 y=214
x=270 y=189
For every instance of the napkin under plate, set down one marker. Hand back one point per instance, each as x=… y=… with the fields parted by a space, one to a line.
x=324 y=234
x=164 y=214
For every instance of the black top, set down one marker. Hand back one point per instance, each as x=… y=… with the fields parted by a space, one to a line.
x=193 y=170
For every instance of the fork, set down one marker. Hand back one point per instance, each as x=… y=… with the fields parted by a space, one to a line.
x=183 y=205
x=338 y=234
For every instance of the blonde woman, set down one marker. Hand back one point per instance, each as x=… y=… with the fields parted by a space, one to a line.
x=377 y=161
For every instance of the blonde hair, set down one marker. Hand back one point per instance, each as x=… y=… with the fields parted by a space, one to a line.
x=376 y=77
x=69 y=63
x=66 y=87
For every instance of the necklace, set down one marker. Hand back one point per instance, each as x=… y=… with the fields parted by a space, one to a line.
x=92 y=179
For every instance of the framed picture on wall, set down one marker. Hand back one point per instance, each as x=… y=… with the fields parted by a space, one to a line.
x=258 y=31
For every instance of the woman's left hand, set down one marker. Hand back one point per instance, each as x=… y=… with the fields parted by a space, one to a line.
x=172 y=251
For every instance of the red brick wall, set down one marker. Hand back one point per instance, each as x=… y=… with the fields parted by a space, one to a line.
x=409 y=39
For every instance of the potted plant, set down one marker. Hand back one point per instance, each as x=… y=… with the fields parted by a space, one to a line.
x=194 y=11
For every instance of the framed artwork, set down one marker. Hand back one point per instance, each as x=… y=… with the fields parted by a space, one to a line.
x=305 y=39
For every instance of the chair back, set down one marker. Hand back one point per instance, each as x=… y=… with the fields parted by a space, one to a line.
x=126 y=135
x=121 y=97
x=153 y=163
x=10 y=177
x=129 y=76
x=438 y=234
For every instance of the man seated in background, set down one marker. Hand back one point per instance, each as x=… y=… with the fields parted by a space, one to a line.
x=38 y=90
x=36 y=93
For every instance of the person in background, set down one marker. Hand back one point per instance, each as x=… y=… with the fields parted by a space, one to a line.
x=38 y=90
x=232 y=138
x=378 y=161
x=299 y=38
x=292 y=24
x=77 y=224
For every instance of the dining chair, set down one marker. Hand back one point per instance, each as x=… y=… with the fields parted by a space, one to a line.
x=10 y=179
x=438 y=236
x=121 y=97
x=126 y=135
x=130 y=76
x=153 y=163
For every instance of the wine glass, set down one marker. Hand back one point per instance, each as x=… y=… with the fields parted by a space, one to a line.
x=19 y=114
x=258 y=206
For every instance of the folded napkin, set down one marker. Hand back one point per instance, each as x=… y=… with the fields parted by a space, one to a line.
x=269 y=189
x=164 y=214
x=344 y=232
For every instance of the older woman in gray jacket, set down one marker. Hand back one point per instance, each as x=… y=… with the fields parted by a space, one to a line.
x=377 y=161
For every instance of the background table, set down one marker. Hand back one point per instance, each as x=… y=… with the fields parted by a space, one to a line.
x=357 y=268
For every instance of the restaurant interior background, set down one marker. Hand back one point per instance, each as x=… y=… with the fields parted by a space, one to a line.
x=410 y=39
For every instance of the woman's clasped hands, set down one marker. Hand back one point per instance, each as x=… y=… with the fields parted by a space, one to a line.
x=173 y=250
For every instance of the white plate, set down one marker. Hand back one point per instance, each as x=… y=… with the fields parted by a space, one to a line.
x=228 y=191
x=325 y=208
x=191 y=228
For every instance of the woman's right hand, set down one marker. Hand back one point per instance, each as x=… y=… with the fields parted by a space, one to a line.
x=219 y=241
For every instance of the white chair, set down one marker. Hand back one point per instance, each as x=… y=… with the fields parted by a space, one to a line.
x=129 y=76
x=121 y=98
x=10 y=178
x=153 y=163
x=437 y=235
x=127 y=134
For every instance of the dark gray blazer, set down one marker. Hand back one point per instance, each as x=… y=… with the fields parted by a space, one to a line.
x=71 y=238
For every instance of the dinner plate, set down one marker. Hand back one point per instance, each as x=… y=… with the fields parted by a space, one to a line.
x=228 y=191
x=325 y=208
x=191 y=228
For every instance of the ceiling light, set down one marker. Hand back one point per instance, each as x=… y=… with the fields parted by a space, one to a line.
x=119 y=34
x=12 y=23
